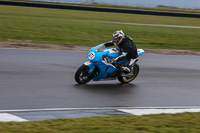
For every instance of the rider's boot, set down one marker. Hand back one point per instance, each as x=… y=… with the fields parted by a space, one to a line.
x=126 y=70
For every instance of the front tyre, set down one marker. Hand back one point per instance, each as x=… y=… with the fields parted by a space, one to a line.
x=82 y=76
x=135 y=72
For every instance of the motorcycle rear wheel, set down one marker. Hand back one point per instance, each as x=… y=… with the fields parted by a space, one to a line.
x=136 y=70
x=82 y=76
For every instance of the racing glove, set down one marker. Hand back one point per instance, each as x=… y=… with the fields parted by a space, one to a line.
x=114 y=61
x=121 y=57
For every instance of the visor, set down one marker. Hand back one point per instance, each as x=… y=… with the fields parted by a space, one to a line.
x=116 y=41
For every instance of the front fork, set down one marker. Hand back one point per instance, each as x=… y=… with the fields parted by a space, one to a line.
x=91 y=66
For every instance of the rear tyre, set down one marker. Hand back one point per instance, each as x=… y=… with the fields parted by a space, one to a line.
x=82 y=76
x=135 y=72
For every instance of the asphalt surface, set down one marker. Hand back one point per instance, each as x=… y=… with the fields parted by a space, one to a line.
x=38 y=79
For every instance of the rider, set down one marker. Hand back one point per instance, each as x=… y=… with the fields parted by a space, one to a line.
x=127 y=49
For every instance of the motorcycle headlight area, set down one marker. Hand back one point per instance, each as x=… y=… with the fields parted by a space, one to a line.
x=91 y=55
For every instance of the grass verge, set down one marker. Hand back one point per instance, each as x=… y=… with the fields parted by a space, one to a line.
x=55 y=26
x=165 y=123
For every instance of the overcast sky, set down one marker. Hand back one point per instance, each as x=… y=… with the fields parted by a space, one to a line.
x=147 y=3
x=176 y=3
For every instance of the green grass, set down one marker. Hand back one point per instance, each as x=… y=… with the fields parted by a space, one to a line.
x=165 y=123
x=71 y=27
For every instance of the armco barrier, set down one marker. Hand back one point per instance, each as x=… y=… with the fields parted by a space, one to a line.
x=100 y=9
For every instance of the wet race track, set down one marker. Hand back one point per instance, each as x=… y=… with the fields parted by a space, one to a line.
x=38 y=79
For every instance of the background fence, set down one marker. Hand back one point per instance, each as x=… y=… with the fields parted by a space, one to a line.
x=72 y=1
x=100 y=9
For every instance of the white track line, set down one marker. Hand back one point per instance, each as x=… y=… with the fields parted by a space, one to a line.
x=102 y=108
x=157 y=111
x=5 y=117
x=160 y=25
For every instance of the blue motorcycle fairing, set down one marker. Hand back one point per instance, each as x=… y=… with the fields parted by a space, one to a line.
x=89 y=64
x=104 y=70
x=113 y=52
x=95 y=55
x=140 y=51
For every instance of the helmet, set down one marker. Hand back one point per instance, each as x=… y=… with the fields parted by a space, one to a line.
x=118 y=37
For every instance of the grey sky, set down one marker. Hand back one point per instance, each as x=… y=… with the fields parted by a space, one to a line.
x=153 y=3
x=146 y=3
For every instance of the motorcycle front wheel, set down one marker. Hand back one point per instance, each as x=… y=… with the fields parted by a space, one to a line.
x=135 y=72
x=82 y=76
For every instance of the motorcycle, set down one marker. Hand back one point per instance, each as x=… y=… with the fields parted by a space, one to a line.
x=99 y=66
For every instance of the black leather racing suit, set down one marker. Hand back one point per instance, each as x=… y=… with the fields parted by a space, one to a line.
x=127 y=49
